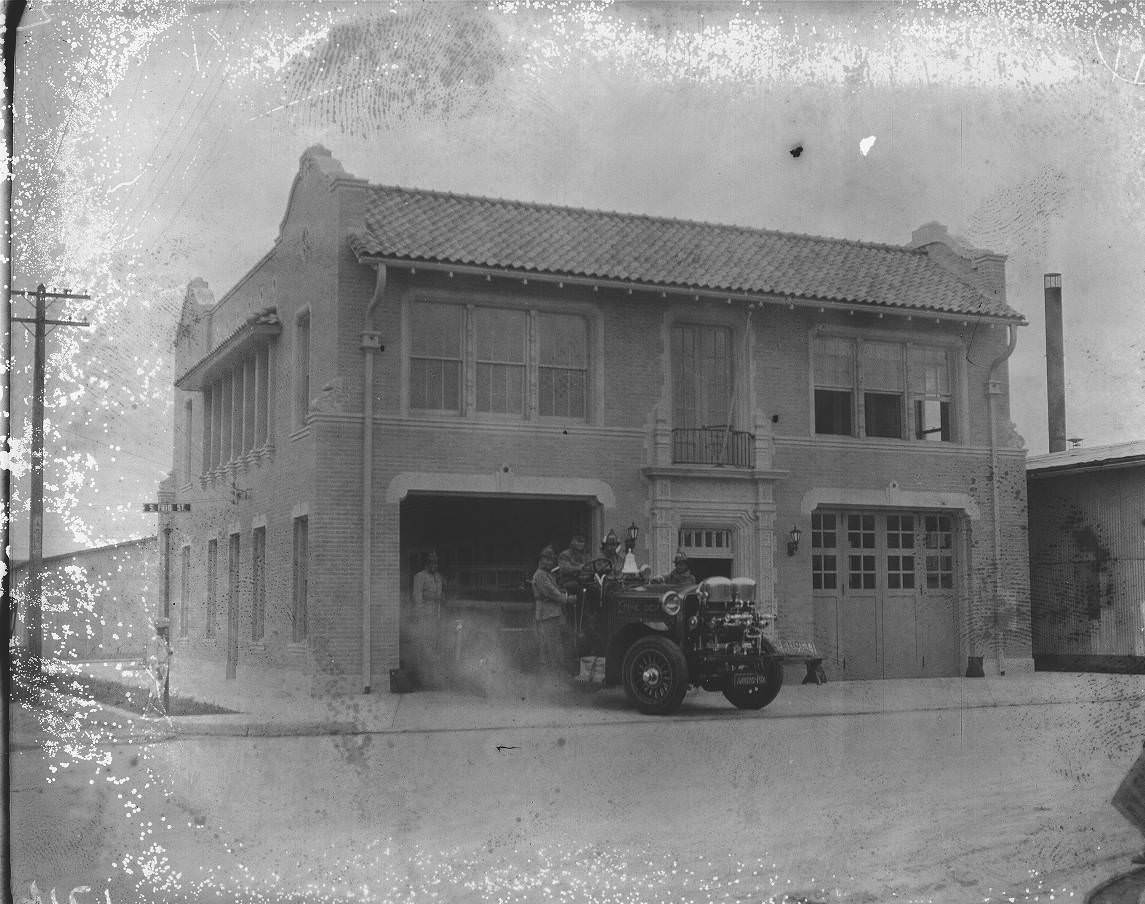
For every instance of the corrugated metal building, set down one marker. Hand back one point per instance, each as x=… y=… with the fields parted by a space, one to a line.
x=1087 y=558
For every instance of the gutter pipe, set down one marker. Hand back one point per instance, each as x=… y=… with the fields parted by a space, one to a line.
x=371 y=343
x=992 y=390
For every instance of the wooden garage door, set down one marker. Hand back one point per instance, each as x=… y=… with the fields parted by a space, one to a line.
x=884 y=589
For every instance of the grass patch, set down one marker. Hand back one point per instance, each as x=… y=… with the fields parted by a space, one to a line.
x=135 y=699
x=28 y=683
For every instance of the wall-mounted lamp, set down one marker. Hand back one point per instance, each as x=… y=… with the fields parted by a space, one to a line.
x=630 y=540
x=793 y=540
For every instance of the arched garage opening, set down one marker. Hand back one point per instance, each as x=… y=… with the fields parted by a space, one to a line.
x=487 y=545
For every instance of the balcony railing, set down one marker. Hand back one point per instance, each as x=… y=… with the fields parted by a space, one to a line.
x=716 y=445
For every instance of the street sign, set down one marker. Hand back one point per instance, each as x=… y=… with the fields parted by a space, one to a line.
x=165 y=507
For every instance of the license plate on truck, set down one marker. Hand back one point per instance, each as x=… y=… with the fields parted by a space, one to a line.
x=748 y=679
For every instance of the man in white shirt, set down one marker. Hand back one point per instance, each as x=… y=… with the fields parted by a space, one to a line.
x=428 y=589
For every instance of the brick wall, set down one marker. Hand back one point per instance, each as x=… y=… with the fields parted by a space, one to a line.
x=98 y=603
x=318 y=469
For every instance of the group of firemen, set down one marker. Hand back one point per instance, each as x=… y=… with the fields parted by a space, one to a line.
x=555 y=584
x=558 y=579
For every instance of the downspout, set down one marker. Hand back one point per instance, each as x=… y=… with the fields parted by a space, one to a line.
x=371 y=342
x=992 y=390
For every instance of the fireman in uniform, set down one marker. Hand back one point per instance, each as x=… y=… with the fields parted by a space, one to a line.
x=573 y=563
x=610 y=552
x=680 y=575
x=549 y=601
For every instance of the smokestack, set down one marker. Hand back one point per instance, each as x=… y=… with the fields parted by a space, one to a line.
x=1055 y=362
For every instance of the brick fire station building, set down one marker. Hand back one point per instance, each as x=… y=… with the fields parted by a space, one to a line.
x=409 y=369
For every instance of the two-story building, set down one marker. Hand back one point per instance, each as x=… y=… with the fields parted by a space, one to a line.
x=409 y=369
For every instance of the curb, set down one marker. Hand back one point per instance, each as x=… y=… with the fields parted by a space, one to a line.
x=183 y=726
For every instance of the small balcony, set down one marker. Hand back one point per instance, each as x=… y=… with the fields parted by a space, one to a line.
x=715 y=445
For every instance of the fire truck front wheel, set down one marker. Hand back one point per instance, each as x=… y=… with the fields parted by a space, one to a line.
x=758 y=688
x=655 y=675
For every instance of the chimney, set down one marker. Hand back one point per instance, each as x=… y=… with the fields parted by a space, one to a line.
x=1055 y=362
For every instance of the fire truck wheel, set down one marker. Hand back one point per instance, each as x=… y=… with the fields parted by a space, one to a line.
x=757 y=696
x=655 y=675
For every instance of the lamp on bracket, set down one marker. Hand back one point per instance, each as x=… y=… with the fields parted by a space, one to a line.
x=793 y=539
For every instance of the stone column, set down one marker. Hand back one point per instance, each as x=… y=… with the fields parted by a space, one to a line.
x=662 y=541
x=661 y=442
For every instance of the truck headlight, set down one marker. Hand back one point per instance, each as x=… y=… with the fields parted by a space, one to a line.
x=670 y=602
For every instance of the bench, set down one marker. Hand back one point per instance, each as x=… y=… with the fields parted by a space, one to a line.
x=804 y=651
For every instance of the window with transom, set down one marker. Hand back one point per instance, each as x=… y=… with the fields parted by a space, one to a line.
x=885 y=389
x=514 y=362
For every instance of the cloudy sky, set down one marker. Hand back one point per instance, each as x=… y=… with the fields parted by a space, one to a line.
x=156 y=142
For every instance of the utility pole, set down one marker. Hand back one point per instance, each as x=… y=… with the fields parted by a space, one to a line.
x=34 y=620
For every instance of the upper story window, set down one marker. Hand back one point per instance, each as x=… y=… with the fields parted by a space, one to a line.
x=500 y=346
x=701 y=375
x=506 y=361
x=881 y=389
x=931 y=393
x=882 y=370
x=563 y=366
x=301 y=368
x=436 y=356
x=834 y=386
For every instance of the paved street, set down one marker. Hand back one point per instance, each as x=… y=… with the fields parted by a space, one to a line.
x=586 y=801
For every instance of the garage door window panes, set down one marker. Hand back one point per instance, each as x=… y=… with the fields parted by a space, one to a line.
x=860 y=563
x=824 y=560
x=939 y=551
x=900 y=552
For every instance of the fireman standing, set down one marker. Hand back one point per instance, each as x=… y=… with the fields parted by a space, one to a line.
x=572 y=563
x=548 y=610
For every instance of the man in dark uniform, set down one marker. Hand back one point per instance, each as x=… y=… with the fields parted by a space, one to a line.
x=680 y=575
x=610 y=551
x=548 y=610
x=573 y=563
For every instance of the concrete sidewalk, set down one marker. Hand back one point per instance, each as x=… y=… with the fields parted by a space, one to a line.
x=270 y=703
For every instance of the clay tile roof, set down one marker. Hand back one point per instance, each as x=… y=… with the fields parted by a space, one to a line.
x=438 y=227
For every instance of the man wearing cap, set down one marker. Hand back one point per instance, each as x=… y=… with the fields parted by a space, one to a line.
x=680 y=575
x=610 y=552
x=573 y=563
x=548 y=609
